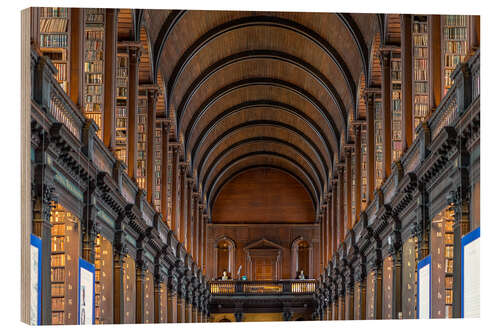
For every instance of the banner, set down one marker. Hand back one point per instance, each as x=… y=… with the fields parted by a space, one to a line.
x=424 y=288
x=86 y=294
x=470 y=274
x=36 y=281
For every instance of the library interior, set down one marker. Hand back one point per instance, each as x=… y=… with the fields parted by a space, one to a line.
x=191 y=166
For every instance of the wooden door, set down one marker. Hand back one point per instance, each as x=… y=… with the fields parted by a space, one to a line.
x=265 y=269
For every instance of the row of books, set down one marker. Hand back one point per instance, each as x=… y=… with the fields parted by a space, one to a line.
x=455 y=33
x=452 y=60
x=421 y=87
x=420 y=75
x=57 y=274
x=94 y=55
x=62 y=74
x=94 y=90
x=93 y=78
x=396 y=106
x=94 y=44
x=57 y=243
x=50 y=25
x=92 y=108
x=93 y=99
x=420 y=40
x=420 y=52
x=455 y=20
x=94 y=17
x=121 y=154
x=420 y=27
x=121 y=122
x=93 y=67
x=58 y=260
x=94 y=35
x=54 y=40
x=122 y=91
x=53 y=12
x=96 y=116
x=122 y=112
x=121 y=134
x=121 y=82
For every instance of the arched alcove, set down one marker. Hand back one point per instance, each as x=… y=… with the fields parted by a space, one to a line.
x=225 y=256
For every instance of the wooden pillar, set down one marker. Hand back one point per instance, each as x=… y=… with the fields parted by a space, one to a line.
x=396 y=284
x=152 y=96
x=164 y=169
x=349 y=303
x=200 y=233
x=385 y=62
x=333 y=222
x=175 y=190
x=172 y=299
x=340 y=207
x=328 y=227
x=370 y=113
x=133 y=82
x=189 y=216
x=348 y=191
x=475 y=33
x=181 y=309
x=435 y=73
x=109 y=78
x=181 y=227
x=360 y=299
x=357 y=168
x=158 y=280
x=406 y=86
x=76 y=57
x=322 y=239
x=204 y=243
x=119 y=253
x=195 y=229
x=139 y=290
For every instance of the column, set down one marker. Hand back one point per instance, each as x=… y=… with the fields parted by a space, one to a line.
x=172 y=297
x=152 y=96
x=348 y=191
x=164 y=169
x=175 y=190
x=200 y=234
x=43 y=198
x=385 y=62
x=158 y=280
x=475 y=28
x=76 y=57
x=370 y=112
x=328 y=226
x=435 y=73
x=406 y=87
x=340 y=207
x=109 y=78
x=133 y=82
x=323 y=236
x=189 y=216
x=195 y=228
x=89 y=228
x=140 y=268
x=181 y=301
x=334 y=217
x=181 y=227
x=120 y=250
x=359 y=297
x=357 y=176
x=396 y=283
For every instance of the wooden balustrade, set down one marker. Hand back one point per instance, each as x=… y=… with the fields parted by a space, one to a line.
x=238 y=287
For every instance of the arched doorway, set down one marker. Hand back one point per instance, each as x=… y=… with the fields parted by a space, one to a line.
x=301 y=257
x=224 y=251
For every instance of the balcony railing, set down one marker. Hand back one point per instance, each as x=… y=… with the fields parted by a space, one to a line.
x=285 y=287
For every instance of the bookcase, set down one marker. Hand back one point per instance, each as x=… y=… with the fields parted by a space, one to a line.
x=454 y=46
x=55 y=40
x=420 y=53
x=409 y=277
x=387 y=278
x=364 y=168
x=98 y=275
x=163 y=303
x=65 y=242
x=169 y=189
x=142 y=131
x=448 y=263
x=157 y=167
x=354 y=185
x=94 y=66
x=397 y=118
x=121 y=129
x=129 y=276
x=149 y=315
x=379 y=149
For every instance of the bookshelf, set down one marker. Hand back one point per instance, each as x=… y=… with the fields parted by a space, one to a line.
x=169 y=188
x=454 y=47
x=448 y=263
x=397 y=117
x=379 y=149
x=121 y=130
x=55 y=40
x=142 y=130
x=148 y=298
x=364 y=168
x=64 y=265
x=157 y=166
x=94 y=66
x=129 y=290
x=420 y=53
x=353 y=188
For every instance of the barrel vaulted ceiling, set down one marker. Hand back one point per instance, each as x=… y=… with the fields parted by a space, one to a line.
x=252 y=89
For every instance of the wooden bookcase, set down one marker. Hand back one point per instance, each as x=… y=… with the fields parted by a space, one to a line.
x=448 y=264
x=169 y=189
x=121 y=130
x=409 y=278
x=454 y=45
x=64 y=266
x=142 y=132
x=364 y=167
x=420 y=54
x=157 y=167
x=94 y=66
x=397 y=117
x=354 y=185
x=129 y=276
x=379 y=142
x=55 y=40
x=149 y=315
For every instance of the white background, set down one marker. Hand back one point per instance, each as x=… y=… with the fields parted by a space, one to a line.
x=10 y=166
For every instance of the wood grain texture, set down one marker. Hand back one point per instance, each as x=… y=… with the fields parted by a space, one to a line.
x=263 y=196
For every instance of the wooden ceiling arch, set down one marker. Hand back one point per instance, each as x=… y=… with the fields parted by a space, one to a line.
x=264 y=54
x=232 y=78
x=279 y=109
x=259 y=144
x=261 y=159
